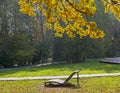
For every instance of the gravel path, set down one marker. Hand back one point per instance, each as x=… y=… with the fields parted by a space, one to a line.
x=111 y=60
x=59 y=77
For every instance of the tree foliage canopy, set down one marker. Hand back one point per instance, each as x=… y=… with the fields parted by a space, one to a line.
x=70 y=16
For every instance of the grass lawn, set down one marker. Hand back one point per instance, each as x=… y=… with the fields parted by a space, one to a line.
x=62 y=69
x=88 y=85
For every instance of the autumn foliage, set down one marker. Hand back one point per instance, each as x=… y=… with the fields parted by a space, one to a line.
x=70 y=16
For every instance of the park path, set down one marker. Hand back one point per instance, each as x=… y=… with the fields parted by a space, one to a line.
x=58 y=77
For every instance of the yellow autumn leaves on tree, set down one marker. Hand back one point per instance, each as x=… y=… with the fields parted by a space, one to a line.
x=113 y=6
x=69 y=16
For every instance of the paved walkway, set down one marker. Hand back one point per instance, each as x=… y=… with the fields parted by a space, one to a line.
x=37 y=65
x=59 y=77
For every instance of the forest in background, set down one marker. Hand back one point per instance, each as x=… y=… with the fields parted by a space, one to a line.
x=26 y=40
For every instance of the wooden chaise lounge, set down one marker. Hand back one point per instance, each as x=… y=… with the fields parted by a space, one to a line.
x=63 y=82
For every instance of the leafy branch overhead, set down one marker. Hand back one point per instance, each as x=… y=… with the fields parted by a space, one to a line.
x=68 y=16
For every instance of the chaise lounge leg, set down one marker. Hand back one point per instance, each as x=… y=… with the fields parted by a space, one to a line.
x=78 y=80
x=45 y=84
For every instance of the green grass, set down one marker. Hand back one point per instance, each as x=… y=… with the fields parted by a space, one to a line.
x=62 y=69
x=88 y=85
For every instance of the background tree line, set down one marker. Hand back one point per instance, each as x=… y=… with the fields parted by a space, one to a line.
x=25 y=40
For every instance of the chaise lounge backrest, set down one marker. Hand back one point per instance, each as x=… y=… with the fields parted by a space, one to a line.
x=72 y=74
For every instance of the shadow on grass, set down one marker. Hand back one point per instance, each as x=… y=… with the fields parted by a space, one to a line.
x=62 y=86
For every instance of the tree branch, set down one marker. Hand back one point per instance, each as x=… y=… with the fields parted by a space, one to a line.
x=76 y=8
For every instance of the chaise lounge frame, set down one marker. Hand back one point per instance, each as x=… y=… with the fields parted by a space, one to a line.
x=63 y=82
